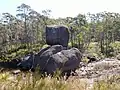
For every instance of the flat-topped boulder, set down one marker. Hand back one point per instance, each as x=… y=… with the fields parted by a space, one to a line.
x=57 y=35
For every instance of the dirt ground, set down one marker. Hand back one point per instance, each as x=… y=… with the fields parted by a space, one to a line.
x=98 y=70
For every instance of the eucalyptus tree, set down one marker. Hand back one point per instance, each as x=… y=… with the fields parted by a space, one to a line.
x=10 y=21
x=80 y=26
x=103 y=27
x=23 y=14
x=116 y=24
x=45 y=17
x=36 y=23
x=108 y=29
x=7 y=20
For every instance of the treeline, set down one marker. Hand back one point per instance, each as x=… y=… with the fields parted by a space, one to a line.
x=27 y=28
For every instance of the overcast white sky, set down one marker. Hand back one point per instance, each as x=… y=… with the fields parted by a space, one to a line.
x=63 y=8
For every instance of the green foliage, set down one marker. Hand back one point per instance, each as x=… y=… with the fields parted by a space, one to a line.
x=19 y=51
x=113 y=49
x=44 y=46
x=94 y=50
x=116 y=47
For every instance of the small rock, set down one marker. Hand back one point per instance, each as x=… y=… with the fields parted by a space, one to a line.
x=118 y=56
x=16 y=71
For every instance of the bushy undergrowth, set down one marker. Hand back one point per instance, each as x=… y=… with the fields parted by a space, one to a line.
x=116 y=47
x=19 y=51
x=94 y=50
x=16 y=51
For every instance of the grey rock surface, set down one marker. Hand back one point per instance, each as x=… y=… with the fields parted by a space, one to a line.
x=57 y=35
x=66 y=61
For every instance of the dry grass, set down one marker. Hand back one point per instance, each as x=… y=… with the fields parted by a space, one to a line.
x=29 y=81
x=108 y=83
x=35 y=81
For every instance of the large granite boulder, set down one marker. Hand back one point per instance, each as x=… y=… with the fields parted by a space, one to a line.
x=41 y=60
x=43 y=49
x=52 y=58
x=31 y=61
x=66 y=61
x=57 y=35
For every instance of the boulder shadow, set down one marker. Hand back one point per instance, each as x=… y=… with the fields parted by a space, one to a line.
x=10 y=64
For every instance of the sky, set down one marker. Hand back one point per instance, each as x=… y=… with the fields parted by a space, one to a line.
x=63 y=8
